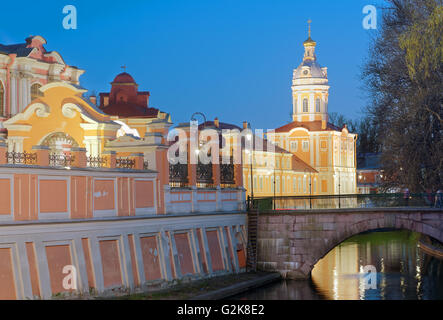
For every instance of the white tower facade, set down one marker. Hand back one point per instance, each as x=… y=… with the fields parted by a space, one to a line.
x=310 y=88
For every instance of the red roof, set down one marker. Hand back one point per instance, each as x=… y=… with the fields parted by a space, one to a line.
x=124 y=78
x=310 y=126
x=124 y=110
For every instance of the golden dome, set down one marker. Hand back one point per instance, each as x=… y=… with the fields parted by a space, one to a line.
x=309 y=42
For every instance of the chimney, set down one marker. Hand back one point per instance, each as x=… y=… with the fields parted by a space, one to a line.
x=217 y=123
x=245 y=125
x=93 y=100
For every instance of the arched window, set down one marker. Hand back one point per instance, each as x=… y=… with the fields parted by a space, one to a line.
x=305 y=105
x=35 y=91
x=2 y=99
x=317 y=105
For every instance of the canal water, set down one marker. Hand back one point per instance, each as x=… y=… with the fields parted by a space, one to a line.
x=403 y=272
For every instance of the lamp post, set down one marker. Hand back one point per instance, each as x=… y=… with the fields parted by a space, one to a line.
x=310 y=187
x=339 y=190
x=269 y=173
x=249 y=137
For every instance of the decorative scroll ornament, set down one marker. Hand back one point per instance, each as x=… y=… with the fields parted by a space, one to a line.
x=69 y=110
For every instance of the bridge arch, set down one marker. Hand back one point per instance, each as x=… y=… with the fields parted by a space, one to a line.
x=293 y=243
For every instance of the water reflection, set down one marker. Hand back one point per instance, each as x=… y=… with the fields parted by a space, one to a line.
x=404 y=272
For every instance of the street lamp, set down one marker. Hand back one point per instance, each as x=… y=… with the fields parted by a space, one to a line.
x=310 y=187
x=339 y=190
x=269 y=173
x=249 y=137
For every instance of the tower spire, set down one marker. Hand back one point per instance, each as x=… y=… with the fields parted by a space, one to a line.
x=309 y=45
x=309 y=23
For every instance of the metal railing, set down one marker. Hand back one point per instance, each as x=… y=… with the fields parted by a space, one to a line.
x=124 y=163
x=21 y=158
x=96 y=162
x=393 y=200
x=61 y=160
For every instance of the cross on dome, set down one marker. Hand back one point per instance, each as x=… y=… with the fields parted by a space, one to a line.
x=309 y=22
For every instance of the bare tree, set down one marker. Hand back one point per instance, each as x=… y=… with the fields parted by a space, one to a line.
x=403 y=76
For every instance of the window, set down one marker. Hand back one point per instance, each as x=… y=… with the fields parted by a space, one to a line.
x=255 y=183
x=2 y=99
x=317 y=105
x=277 y=182
x=283 y=186
x=35 y=91
x=305 y=146
x=261 y=183
x=305 y=105
x=294 y=184
x=272 y=184
x=294 y=146
x=299 y=185
x=304 y=185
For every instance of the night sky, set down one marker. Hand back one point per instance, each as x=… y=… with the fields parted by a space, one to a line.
x=231 y=59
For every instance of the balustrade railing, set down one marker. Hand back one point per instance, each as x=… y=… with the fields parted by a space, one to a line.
x=178 y=175
x=96 y=162
x=204 y=175
x=227 y=174
x=61 y=160
x=124 y=163
x=21 y=158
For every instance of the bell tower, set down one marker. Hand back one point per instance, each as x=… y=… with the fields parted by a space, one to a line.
x=310 y=88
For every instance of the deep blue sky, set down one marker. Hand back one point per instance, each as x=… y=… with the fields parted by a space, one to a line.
x=227 y=58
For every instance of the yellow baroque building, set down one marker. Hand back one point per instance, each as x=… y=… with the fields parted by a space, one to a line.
x=276 y=172
x=330 y=150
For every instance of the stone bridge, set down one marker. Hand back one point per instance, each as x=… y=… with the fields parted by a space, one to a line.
x=293 y=242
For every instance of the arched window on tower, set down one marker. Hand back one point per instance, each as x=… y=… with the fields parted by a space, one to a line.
x=305 y=105
x=35 y=91
x=317 y=105
x=2 y=100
